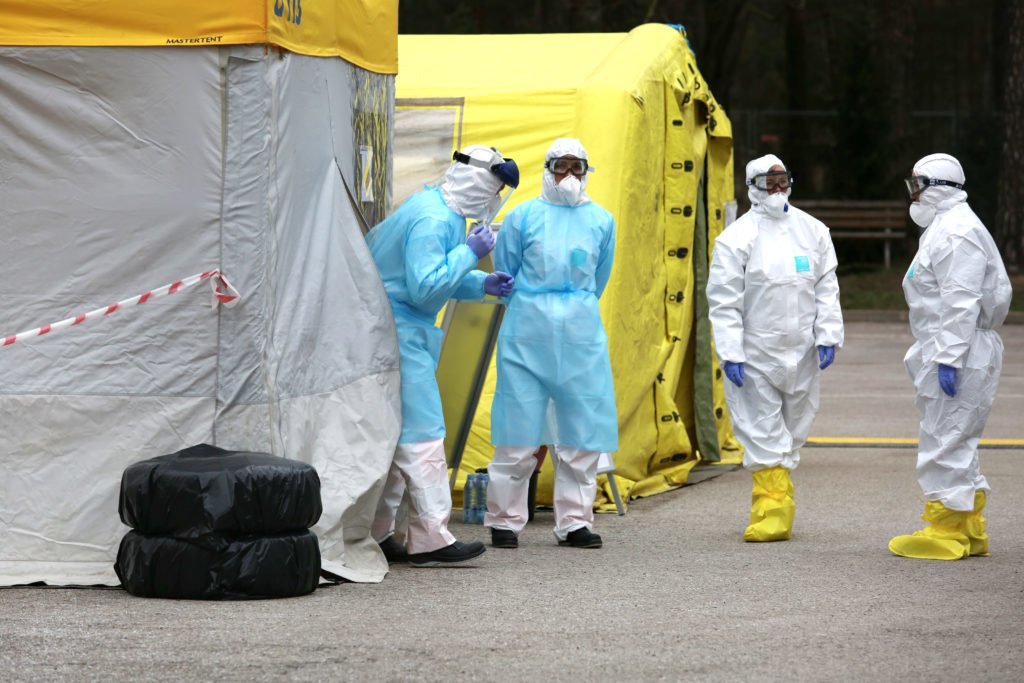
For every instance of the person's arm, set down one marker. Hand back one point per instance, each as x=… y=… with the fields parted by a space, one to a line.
x=605 y=258
x=432 y=273
x=725 y=292
x=959 y=267
x=828 y=319
x=508 y=252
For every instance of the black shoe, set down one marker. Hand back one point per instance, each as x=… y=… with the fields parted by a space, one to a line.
x=503 y=538
x=393 y=550
x=451 y=554
x=582 y=538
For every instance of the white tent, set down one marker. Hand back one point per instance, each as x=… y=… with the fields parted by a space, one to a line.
x=123 y=169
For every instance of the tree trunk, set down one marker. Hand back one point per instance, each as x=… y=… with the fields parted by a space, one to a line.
x=1009 y=227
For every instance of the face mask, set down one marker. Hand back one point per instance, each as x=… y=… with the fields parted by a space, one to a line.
x=570 y=189
x=775 y=205
x=921 y=214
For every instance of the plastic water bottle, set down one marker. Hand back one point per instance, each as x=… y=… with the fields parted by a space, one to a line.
x=481 y=497
x=469 y=500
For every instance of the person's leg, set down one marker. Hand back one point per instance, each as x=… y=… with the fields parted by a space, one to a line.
x=425 y=471
x=507 y=487
x=800 y=407
x=575 y=487
x=756 y=409
x=948 y=467
x=757 y=421
x=387 y=506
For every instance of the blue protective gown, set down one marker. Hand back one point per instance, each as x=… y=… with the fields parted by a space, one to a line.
x=554 y=375
x=423 y=259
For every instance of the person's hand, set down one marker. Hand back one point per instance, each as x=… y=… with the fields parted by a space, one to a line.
x=826 y=354
x=947 y=379
x=480 y=240
x=499 y=283
x=734 y=371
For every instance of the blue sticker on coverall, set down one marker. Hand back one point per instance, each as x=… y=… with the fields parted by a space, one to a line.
x=910 y=273
x=579 y=257
x=803 y=264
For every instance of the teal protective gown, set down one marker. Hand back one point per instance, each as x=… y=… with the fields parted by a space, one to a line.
x=554 y=375
x=422 y=257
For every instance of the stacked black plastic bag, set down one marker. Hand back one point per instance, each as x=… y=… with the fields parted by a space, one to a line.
x=219 y=525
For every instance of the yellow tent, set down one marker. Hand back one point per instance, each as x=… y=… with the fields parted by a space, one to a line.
x=362 y=33
x=662 y=148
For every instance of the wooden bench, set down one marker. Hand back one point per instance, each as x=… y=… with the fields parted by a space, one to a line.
x=861 y=219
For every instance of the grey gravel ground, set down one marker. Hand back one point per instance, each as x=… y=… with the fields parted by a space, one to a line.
x=675 y=594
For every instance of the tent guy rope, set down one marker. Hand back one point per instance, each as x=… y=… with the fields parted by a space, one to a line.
x=223 y=294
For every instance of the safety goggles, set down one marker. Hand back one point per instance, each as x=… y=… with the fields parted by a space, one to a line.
x=507 y=171
x=916 y=184
x=772 y=180
x=563 y=165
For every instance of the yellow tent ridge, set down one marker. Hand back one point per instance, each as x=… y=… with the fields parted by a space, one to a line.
x=361 y=32
x=898 y=442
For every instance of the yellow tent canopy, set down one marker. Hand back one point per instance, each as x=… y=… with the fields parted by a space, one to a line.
x=363 y=33
x=662 y=149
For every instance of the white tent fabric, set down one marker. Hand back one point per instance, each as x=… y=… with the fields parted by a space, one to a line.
x=125 y=169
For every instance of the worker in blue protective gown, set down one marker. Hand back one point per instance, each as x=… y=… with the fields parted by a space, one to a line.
x=958 y=294
x=554 y=384
x=425 y=257
x=773 y=301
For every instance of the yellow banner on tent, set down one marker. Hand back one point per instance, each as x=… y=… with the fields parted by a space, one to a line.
x=364 y=32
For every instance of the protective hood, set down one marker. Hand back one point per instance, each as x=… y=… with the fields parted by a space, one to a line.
x=946 y=167
x=758 y=166
x=472 y=191
x=760 y=201
x=549 y=188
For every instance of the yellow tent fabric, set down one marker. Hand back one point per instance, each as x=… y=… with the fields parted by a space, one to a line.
x=662 y=149
x=363 y=32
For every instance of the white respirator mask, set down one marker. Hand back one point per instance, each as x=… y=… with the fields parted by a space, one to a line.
x=775 y=205
x=570 y=189
x=922 y=214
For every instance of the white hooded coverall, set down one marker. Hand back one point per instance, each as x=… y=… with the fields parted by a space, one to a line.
x=958 y=294
x=773 y=299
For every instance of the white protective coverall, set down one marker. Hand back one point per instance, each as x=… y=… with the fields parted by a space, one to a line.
x=554 y=374
x=958 y=294
x=423 y=260
x=773 y=298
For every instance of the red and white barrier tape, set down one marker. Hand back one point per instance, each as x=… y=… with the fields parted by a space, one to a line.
x=223 y=294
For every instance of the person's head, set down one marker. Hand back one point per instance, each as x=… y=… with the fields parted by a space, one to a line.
x=473 y=183
x=935 y=179
x=566 y=168
x=769 y=185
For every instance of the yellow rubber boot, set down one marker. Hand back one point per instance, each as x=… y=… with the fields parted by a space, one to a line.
x=975 y=527
x=772 y=506
x=943 y=539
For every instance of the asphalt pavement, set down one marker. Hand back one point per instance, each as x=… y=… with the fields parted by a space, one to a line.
x=675 y=594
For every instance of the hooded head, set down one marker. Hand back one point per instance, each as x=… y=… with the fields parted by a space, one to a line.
x=568 y=188
x=940 y=167
x=470 y=190
x=771 y=203
x=936 y=197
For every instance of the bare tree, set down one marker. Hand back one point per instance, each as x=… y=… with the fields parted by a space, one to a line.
x=1009 y=227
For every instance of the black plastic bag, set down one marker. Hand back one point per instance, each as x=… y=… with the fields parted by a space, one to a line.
x=219 y=567
x=205 y=489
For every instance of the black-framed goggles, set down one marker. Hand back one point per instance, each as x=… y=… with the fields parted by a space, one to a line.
x=563 y=165
x=772 y=180
x=507 y=171
x=918 y=183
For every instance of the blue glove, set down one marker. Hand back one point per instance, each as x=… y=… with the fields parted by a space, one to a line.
x=826 y=354
x=734 y=371
x=480 y=240
x=499 y=283
x=947 y=379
